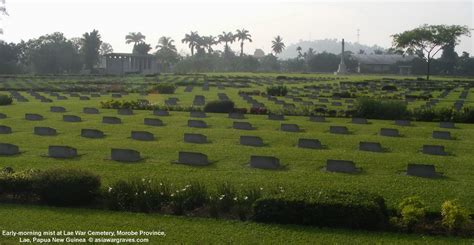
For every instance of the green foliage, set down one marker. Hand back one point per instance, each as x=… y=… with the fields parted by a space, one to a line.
x=279 y=90
x=412 y=211
x=5 y=99
x=455 y=216
x=226 y=195
x=67 y=187
x=137 y=195
x=380 y=109
x=190 y=197
x=164 y=88
x=356 y=210
x=90 y=48
x=218 y=106
x=17 y=183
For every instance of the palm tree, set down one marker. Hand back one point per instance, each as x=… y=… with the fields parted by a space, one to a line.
x=135 y=38
x=243 y=35
x=298 y=49
x=192 y=39
x=208 y=42
x=278 y=45
x=166 y=43
x=226 y=38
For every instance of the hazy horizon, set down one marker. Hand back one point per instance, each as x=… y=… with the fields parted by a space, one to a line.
x=303 y=20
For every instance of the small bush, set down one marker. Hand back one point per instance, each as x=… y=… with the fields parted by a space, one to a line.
x=67 y=187
x=412 y=211
x=379 y=109
x=325 y=208
x=217 y=106
x=389 y=88
x=164 y=88
x=279 y=90
x=17 y=183
x=137 y=195
x=258 y=110
x=226 y=196
x=455 y=216
x=192 y=196
x=5 y=99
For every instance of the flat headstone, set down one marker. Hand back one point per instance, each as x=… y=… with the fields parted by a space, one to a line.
x=390 y=132
x=402 y=123
x=443 y=135
x=309 y=143
x=90 y=110
x=8 y=149
x=242 y=125
x=125 y=155
x=44 y=131
x=370 y=146
x=446 y=125
x=195 y=138
x=71 y=118
x=142 y=135
x=236 y=115
x=3 y=116
x=341 y=166
x=58 y=109
x=338 y=130
x=92 y=133
x=276 y=117
x=116 y=96
x=153 y=122
x=33 y=117
x=251 y=141
x=125 y=111
x=193 y=158
x=434 y=150
x=111 y=120
x=357 y=120
x=422 y=170
x=197 y=114
x=62 y=151
x=5 y=129
x=161 y=113
x=264 y=162
x=197 y=124
x=289 y=127
x=317 y=119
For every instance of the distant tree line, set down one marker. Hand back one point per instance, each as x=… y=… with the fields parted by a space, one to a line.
x=55 y=54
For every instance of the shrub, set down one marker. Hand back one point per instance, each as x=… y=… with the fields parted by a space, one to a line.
x=190 y=197
x=378 y=109
x=389 y=88
x=67 y=187
x=455 y=216
x=164 y=88
x=258 y=110
x=412 y=211
x=217 y=106
x=279 y=90
x=17 y=183
x=225 y=196
x=5 y=99
x=325 y=208
x=137 y=195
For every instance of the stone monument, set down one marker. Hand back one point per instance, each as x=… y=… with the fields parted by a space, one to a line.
x=342 y=66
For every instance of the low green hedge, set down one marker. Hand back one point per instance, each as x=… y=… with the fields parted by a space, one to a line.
x=217 y=106
x=357 y=210
x=164 y=88
x=5 y=99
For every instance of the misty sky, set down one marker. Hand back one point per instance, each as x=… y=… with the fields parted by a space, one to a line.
x=295 y=20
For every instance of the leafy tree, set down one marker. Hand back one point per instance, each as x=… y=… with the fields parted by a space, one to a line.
x=429 y=39
x=277 y=45
x=9 y=58
x=105 y=48
x=3 y=11
x=135 y=38
x=90 y=49
x=141 y=48
x=192 y=39
x=208 y=42
x=449 y=59
x=298 y=49
x=166 y=43
x=167 y=52
x=243 y=35
x=226 y=38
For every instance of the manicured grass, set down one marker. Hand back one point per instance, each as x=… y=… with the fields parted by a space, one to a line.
x=193 y=230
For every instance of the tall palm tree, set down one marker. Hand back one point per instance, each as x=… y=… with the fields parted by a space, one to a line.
x=192 y=39
x=208 y=42
x=298 y=49
x=278 y=45
x=226 y=38
x=243 y=35
x=135 y=38
x=166 y=43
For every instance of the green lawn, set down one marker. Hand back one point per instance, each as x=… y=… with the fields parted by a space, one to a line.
x=193 y=230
